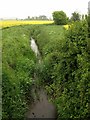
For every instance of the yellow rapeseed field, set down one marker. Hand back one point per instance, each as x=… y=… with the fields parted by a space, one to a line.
x=9 y=23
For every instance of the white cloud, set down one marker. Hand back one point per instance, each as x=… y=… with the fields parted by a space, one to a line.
x=24 y=8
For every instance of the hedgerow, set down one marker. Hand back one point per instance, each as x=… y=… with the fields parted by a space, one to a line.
x=73 y=101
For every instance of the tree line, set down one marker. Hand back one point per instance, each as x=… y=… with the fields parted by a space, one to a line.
x=60 y=17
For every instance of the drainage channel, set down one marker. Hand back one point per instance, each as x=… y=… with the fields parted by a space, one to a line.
x=41 y=107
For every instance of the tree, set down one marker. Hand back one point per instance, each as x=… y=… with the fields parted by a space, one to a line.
x=75 y=16
x=59 y=17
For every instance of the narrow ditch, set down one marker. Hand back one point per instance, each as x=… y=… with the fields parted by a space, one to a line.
x=41 y=107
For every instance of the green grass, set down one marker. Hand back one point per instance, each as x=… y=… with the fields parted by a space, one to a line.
x=18 y=63
x=48 y=37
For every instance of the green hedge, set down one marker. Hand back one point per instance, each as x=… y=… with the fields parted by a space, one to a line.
x=73 y=101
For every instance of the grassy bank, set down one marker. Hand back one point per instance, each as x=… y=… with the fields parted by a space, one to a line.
x=48 y=37
x=18 y=62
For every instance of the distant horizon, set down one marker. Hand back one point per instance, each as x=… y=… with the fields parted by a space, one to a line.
x=12 y=9
x=24 y=18
x=49 y=17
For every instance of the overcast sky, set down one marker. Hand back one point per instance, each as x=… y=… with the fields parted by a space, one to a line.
x=25 y=8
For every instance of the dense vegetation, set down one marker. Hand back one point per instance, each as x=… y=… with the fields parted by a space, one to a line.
x=65 y=68
x=18 y=69
x=88 y=19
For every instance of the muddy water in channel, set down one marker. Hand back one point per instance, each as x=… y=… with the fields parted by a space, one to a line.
x=41 y=107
